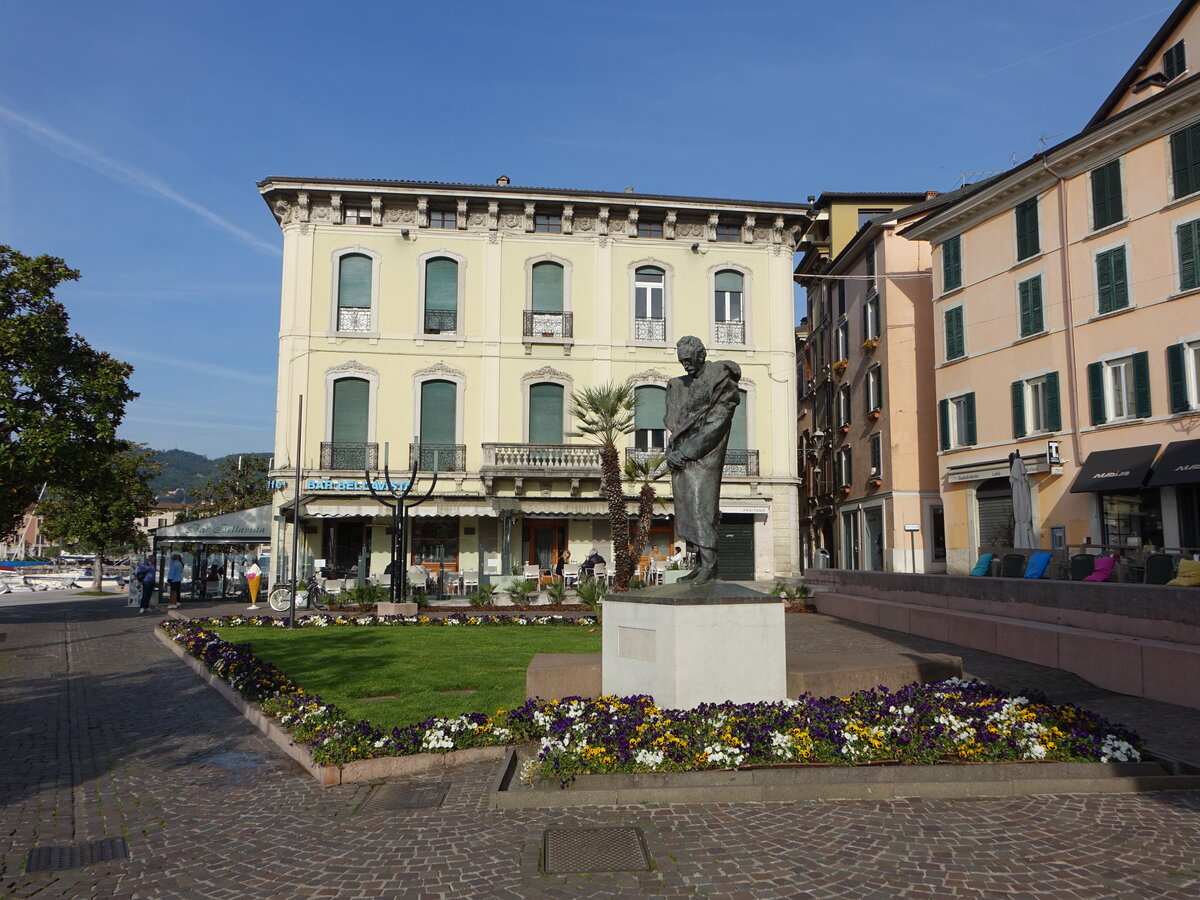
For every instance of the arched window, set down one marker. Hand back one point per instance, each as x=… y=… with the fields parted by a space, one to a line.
x=547 y=287
x=739 y=458
x=439 y=450
x=441 y=296
x=727 y=308
x=546 y=413
x=651 y=408
x=351 y=415
x=546 y=316
x=649 y=306
x=354 y=293
x=737 y=432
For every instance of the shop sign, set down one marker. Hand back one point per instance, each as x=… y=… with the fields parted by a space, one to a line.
x=352 y=485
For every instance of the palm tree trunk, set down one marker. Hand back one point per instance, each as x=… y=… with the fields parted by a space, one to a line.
x=617 y=515
x=645 y=517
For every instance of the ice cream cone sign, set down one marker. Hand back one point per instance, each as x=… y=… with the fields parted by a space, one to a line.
x=253 y=581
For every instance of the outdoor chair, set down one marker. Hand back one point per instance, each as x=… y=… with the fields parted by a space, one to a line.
x=1105 y=567
x=1012 y=565
x=570 y=574
x=657 y=567
x=983 y=566
x=1160 y=568
x=470 y=581
x=1081 y=566
x=532 y=573
x=600 y=573
x=1038 y=564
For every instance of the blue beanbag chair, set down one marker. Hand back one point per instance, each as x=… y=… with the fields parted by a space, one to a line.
x=984 y=565
x=1038 y=563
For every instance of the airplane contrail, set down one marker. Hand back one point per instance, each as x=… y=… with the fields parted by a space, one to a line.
x=70 y=148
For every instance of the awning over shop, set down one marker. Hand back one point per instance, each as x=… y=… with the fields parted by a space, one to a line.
x=334 y=508
x=247 y=526
x=1115 y=470
x=1179 y=464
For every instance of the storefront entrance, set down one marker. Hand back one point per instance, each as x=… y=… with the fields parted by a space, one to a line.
x=542 y=540
x=346 y=547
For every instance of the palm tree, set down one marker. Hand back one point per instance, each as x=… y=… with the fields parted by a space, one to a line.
x=644 y=468
x=605 y=413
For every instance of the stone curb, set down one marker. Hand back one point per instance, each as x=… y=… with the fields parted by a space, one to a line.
x=327 y=775
x=945 y=782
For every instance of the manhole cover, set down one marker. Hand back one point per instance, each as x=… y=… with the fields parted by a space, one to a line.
x=45 y=859
x=389 y=797
x=580 y=851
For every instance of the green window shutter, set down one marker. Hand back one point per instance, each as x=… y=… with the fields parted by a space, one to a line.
x=1177 y=378
x=944 y=423
x=955 y=345
x=1018 y=409
x=1053 y=406
x=866 y=322
x=441 y=285
x=847 y=466
x=1096 y=392
x=439 y=420
x=729 y=281
x=871 y=266
x=1188 y=236
x=1112 y=285
x=1141 y=384
x=354 y=282
x=546 y=413
x=1185 y=160
x=1028 y=239
x=952 y=263
x=650 y=407
x=351 y=408
x=737 y=431
x=971 y=436
x=547 y=287
x=1023 y=291
x=1036 y=323
x=1106 y=195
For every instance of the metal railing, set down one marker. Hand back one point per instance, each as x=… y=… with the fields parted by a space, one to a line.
x=438 y=321
x=539 y=458
x=354 y=319
x=730 y=332
x=548 y=324
x=649 y=329
x=340 y=456
x=740 y=463
x=438 y=457
x=644 y=456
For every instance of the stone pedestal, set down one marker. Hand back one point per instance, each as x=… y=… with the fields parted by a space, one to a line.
x=686 y=645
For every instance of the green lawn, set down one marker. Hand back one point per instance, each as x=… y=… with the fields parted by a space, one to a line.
x=418 y=666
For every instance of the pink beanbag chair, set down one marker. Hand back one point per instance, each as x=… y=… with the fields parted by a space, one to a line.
x=1104 y=569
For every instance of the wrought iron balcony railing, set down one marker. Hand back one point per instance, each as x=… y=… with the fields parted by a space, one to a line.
x=642 y=457
x=548 y=324
x=741 y=463
x=343 y=456
x=354 y=319
x=731 y=332
x=649 y=329
x=439 y=321
x=438 y=457
x=542 y=459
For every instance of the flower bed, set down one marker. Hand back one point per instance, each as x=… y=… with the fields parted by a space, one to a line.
x=954 y=720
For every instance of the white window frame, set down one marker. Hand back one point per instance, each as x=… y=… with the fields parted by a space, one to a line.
x=441 y=373
x=667 y=301
x=335 y=266
x=460 y=330
x=632 y=440
x=1121 y=368
x=875 y=438
x=873 y=384
x=1037 y=410
x=958 y=420
x=351 y=369
x=842 y=405
x=563 y=380
x=841 y=341
x=843 y=476
x=1191 y=368
x=747 y=283
x=871 y=304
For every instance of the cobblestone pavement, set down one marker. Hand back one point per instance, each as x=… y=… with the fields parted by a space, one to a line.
x=106 y=734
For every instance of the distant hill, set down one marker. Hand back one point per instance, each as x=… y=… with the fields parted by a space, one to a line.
x=183 y=471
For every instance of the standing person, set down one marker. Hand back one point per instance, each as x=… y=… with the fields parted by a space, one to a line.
x=145 y=574
x=175 y=579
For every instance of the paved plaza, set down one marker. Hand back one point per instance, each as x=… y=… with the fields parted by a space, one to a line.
x=106 y=734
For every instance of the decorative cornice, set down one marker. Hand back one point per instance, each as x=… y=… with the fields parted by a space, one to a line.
x=547 y=372
x=352 y=365
x=440 y=368
x=653 y=376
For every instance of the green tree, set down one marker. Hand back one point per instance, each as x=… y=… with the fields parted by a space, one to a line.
x=100 y=515
x=240 y=483
x=644 y=469
x=605 y=413
x=60 y=400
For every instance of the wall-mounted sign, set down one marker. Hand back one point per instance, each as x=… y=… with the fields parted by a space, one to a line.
x=910 y=527
x=350 y=484
x=1052 y=453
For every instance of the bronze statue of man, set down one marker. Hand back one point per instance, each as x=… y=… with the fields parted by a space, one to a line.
x=700 y=407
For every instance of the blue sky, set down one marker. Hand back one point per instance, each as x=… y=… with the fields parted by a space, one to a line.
x=132 y=134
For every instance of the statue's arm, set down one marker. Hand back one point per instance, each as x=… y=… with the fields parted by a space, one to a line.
x=708 y=434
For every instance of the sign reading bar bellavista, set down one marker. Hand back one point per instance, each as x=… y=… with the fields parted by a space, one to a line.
x=350 y=484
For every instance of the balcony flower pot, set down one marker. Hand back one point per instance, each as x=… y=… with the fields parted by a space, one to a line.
x=874 y=415
x=839 y=367
x=869 y=345
x=845 y=490
x=844 y=429
x=874 y=482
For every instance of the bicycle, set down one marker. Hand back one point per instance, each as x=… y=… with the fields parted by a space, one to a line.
x=313 y=596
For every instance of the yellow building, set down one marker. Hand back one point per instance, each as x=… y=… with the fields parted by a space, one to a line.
x=447 y=325
x=1067 y=326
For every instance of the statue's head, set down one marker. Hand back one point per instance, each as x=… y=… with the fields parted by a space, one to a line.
x=691 y=353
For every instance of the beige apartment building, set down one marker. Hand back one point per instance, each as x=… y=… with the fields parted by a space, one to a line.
x=446 y=326
x=869 y=491
x=1067 y=325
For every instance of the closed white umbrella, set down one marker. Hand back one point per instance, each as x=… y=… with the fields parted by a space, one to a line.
x=1022 y=505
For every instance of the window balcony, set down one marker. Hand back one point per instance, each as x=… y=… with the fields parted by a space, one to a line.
x=733 y=332
x=354 y=319
x=642 y=457
x=439 y=321
x=548 y=324
x=565 y=460
x=740 y=464
x=349 y=457
x=438 y=457
x=649 y=329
